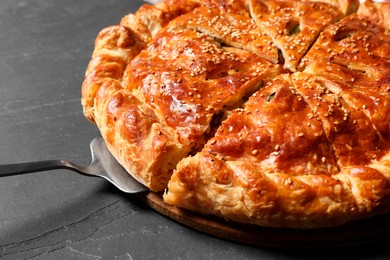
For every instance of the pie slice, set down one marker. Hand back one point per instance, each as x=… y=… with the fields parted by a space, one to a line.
x=232 y=29
x=355 y=54
x=293 y=25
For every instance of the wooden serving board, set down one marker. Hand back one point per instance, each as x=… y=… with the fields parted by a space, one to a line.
x=357 y=232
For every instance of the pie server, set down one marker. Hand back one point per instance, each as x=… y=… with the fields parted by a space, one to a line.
x=103 y=165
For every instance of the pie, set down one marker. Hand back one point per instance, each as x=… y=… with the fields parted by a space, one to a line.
x=267 y=112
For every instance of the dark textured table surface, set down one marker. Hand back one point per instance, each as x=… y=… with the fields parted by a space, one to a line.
x=45 y=47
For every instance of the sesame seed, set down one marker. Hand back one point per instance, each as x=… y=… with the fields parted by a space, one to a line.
x=254 y=152
x=209 y=108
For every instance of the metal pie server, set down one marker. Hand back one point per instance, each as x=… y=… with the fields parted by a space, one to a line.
x=103 y=165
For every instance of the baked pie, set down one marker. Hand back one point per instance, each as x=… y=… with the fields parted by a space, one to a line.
x=268 y=112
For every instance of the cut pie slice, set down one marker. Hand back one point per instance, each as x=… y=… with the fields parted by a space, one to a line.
x=356 y=54
x=364 y=89
x=293 y=25
x=233 y=29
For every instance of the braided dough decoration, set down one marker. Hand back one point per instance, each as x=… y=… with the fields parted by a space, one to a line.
x=275 y=113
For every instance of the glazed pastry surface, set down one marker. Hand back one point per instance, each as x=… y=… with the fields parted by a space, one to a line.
x=274 y=113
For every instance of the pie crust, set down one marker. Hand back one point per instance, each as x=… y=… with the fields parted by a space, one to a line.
x=274 y=113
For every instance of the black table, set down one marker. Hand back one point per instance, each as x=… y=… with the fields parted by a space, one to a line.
x=45 y=47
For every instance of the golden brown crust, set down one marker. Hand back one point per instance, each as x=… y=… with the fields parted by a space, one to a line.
x=233 y=29
x=130 y=130
x=345 y=6
x=166 y=114
x=114 y=47
x=293 y=25
x=124 y=122
x=287 y=160
x=353 y=42
x=192 y=95
x=376 y=12
x=267 y=166
x=185 y=92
